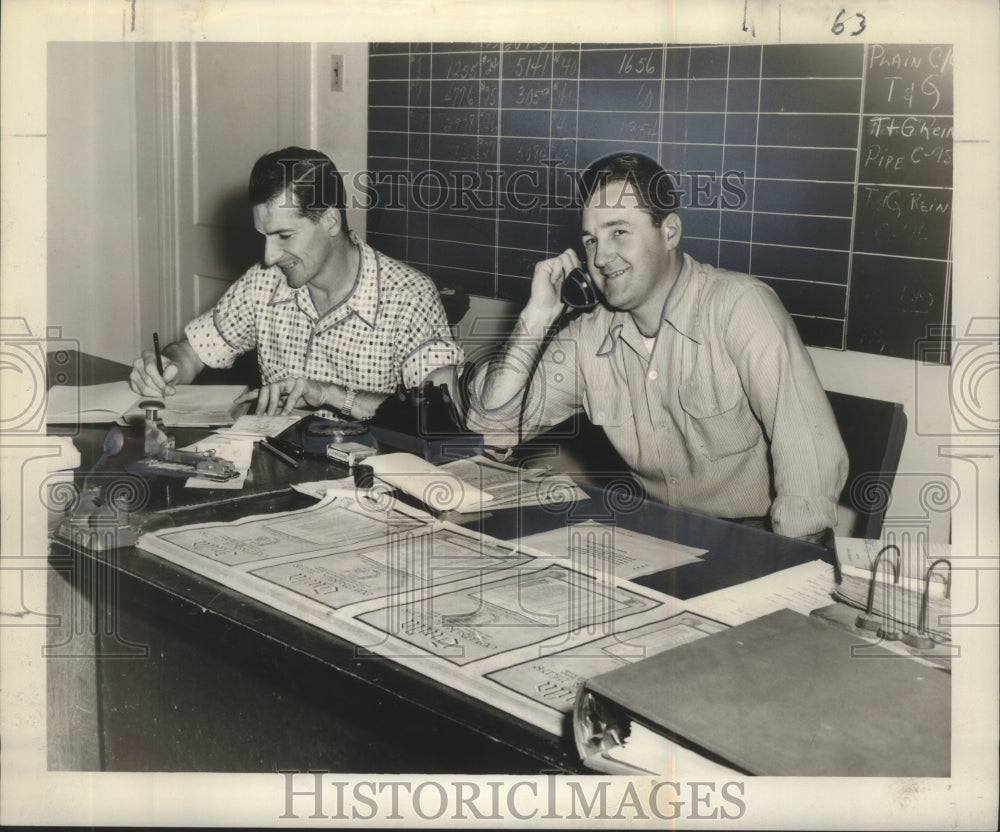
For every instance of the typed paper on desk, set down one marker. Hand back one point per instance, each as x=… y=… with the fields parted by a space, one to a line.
x=802 y=588
x=260 y=427
x=237 y=449
x=343 y=486
x=615 y=550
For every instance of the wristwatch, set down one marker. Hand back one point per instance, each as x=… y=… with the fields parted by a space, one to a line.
x=345 y=408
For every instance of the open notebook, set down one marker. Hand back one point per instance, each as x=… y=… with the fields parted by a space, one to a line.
x=193 y=405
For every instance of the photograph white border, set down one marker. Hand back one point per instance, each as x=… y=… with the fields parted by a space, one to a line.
x=30 y=794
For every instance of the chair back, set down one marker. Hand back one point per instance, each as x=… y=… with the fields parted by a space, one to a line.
x=873 y=433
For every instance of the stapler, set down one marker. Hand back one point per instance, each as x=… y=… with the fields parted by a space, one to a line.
x=102 y=518
x=163 y=459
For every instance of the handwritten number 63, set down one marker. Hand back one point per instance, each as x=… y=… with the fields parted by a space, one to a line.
x=839 y=27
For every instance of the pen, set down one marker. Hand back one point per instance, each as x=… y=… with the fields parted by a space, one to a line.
x=282 y=456
x=287 y=448
x=159 y=355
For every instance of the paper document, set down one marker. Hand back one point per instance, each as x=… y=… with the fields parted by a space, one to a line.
x=522 y=610
x=442 y=600
x=263 y=426
x=192 y=405
x=89 y=404
x=201 y=406
x=435 y=487
x=403 y=564
x=606 y=548
x=512 y=486
x=856 y=556
x=554 y=678
x=238 y=450
x=897 y=590
x=331 y=526
x=320 y=488
x=802 y=588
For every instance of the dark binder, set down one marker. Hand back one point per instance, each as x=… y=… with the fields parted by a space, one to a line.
x=788 y=694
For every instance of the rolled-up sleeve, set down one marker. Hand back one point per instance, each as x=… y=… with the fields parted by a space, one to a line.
x=228 y=329
x=554 y=393
x=424 y=342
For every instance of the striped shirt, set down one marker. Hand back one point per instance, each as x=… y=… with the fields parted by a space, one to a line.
x=391 y=329
x=724 y=415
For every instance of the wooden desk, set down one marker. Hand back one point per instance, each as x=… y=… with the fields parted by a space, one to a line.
x=175 y=672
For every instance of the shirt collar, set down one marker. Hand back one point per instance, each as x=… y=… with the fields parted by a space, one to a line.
x=680 y=311
x=363 y=300
x=681 y=308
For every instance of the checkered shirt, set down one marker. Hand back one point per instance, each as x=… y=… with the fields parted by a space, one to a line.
x=391 y=328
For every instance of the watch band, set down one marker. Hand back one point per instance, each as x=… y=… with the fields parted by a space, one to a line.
x=345 y=408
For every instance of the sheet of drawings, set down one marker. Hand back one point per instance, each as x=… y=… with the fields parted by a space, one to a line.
x=513 y=486
x=513 y=628
x=554 y=678
x=611 y=548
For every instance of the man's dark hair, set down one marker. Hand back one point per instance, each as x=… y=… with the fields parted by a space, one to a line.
x=649 y=180
x=310 y=175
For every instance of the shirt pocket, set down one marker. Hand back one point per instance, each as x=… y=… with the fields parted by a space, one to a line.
x=719 y=425
x=609 y=410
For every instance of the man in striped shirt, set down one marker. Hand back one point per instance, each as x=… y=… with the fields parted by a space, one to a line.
x=697 y=375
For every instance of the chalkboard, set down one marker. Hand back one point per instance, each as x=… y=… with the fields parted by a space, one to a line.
x=823 y=170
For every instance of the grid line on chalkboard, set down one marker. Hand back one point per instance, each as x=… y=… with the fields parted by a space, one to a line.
x=548 y=210
x=857 y=177
x=725 y=121
x=496 y=215
x=756 y=151
x=783 y=246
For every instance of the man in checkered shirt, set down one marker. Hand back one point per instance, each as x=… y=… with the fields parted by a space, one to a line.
x=337 y=326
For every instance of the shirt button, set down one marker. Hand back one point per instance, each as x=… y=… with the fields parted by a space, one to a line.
x=653 y=375
x=673 y=480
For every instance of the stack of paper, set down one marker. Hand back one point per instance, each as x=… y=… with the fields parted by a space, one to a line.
x=510 y=486
x=437 y=488
x=473 y=484
x=611 y=549
x=259 y=427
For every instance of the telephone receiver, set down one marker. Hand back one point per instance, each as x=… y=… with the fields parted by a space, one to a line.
x=579 y=292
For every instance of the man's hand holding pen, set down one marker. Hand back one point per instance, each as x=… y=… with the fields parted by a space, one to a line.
x=148 y=380
x=157 y=372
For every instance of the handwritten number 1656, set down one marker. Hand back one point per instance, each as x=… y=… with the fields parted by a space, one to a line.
x=839 y=27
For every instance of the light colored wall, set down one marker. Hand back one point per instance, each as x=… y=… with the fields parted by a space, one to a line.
x=93 y=289
x=340 y=125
